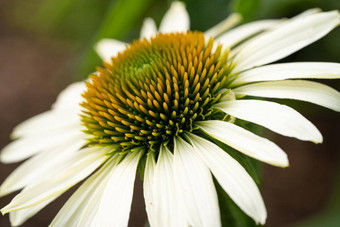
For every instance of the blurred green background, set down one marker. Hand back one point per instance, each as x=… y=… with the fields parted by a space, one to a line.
x=47 y=44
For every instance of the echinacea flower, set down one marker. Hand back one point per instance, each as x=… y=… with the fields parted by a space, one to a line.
x=156 y=106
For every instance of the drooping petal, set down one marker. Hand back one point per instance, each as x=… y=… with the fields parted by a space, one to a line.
x=76 y=168
x=245 y=141
x=148 y=189
x=149 y=28
x=240 y=33
x=282 y=71
x=39 y=167
x=23 y=148
x=285 y=40
x=92 y=189
x=176 y=19
x=18 y=217
x=108 y=48
x=294 y=89
x=115 y=205
x=224 y=25
x=169 y=213
x=276 y=117
x=233 y=178
x=195 y=186
x=48 y=122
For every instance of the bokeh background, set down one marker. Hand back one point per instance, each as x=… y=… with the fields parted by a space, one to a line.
x=47 y=44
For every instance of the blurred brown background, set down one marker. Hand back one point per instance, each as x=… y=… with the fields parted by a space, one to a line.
x=36 y=66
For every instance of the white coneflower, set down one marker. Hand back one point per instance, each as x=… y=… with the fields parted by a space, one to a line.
x=157 y=104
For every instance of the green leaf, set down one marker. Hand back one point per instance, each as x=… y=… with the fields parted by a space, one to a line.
x=247 y=8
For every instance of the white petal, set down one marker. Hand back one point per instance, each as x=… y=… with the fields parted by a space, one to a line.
x=71 y=213
x=294 y=89
x=109 y=203
x=276 y=117
x=236 y=50
x=307 y=13
x=114 y=209
x=233 y=178
x=23 y=148
x=76 y=168
x=246 y=142
x=149 y=28
x=282 y=71
x=108 y=48
x=165 y=197
x=224 y=25
x=48 y=122
x=39 y=167
x=64 y=114
x=227 y=97
x=285 y=40
x=148 y=189
x=88 y=213
x=195 y=186
x=70 y=97
x=240 y=33
x=18 y=217
x=176 y=19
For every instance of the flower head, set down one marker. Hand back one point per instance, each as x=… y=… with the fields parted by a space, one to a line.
x=155 y=90
x=158 y=105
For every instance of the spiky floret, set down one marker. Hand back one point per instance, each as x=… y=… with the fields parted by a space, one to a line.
x=154 y=90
